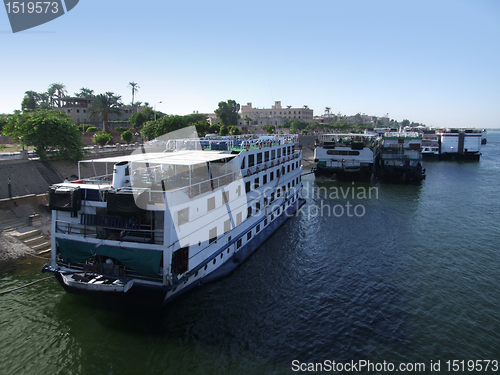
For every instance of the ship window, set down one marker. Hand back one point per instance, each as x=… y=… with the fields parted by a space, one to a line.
x=222 y=255
x=266 y=156
x=272 y=197
x=228 y=250
x=259 y=158
x=249 y=235
x=257 y=207
x=257 y=230
x=180 y=260
x=271 y=176
x=212 y=235
x=251 y=161
x=247 y=186
x=243 y=163
x=238 y=218
x=249 y=212
x=256 y=183
x=238 y=244
x=210 y=204
x=289 y=150
x=214 y=261
x=264 y=179
x=277 y=173
x=227 y=226
x=282 y=170
x=272 y=217
x=273 y=154
x=288 y=168
x=183 y=216
x=225 y=197
x=279 y=152
x=238 y=191
x=265 y=201
x=265 y=222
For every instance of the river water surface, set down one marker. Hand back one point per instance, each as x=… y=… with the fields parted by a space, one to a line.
x=413 y=278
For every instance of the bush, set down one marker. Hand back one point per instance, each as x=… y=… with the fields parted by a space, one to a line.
x=91 y=129
x=127 y=136
x=102 y=138
x=121 y=129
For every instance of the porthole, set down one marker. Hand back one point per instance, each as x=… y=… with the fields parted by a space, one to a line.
x=221 y=256
x=206 y=265
x=215 y=260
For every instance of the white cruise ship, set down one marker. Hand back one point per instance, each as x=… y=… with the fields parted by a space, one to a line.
x=164 y=222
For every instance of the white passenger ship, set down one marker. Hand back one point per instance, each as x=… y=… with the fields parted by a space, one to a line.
x=348 y=156
x=164 y=222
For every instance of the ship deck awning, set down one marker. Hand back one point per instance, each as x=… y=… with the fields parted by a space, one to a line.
x=186 y=158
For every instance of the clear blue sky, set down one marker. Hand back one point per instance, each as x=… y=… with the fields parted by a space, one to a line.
x=435 y=62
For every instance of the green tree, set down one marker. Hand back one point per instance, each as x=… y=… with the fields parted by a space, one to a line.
x=135 y=87
x=105 y=105
x=85 y=93
x=46 y=130
x=224 y=130
x=405 y=122
x=127 y=136
x=30 y=101
x=137 y=119
x=101 y=138
x=44 y=102
x=202 y=127
x=269 y=129
x=228 y=112
x=234 y=130
x=56 y=91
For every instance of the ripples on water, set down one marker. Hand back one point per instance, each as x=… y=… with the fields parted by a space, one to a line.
x=413 y=280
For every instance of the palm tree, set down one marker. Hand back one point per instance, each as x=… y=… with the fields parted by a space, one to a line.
x=85 y=93
x=105 y=105
x=306 y=107
x=30 y=101
x=327 y=111
x=135 y=87
x=57 y=91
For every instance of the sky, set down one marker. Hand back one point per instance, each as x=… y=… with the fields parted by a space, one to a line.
x=434 y=62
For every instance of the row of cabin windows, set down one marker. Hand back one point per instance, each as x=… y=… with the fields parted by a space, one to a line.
x=227 y=224
x=282 y=170
x=183 y=214
x=267 y=155
x=277 y=212
x=180 y=258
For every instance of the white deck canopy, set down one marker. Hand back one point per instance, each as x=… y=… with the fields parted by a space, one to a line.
x=191 y=157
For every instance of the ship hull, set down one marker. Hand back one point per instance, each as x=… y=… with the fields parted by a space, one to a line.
x=158 y=296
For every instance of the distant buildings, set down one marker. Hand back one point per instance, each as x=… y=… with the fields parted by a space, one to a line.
x=275 y=116
x=77 y=110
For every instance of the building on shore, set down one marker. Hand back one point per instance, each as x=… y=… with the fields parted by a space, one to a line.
x=78 y=110
x=275 y=116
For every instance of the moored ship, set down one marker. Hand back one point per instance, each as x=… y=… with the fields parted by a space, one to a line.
x=347 y=156
x=400 y=157
x=164 y=222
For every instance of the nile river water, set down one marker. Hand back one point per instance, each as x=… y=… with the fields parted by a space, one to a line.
x=412 y=276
